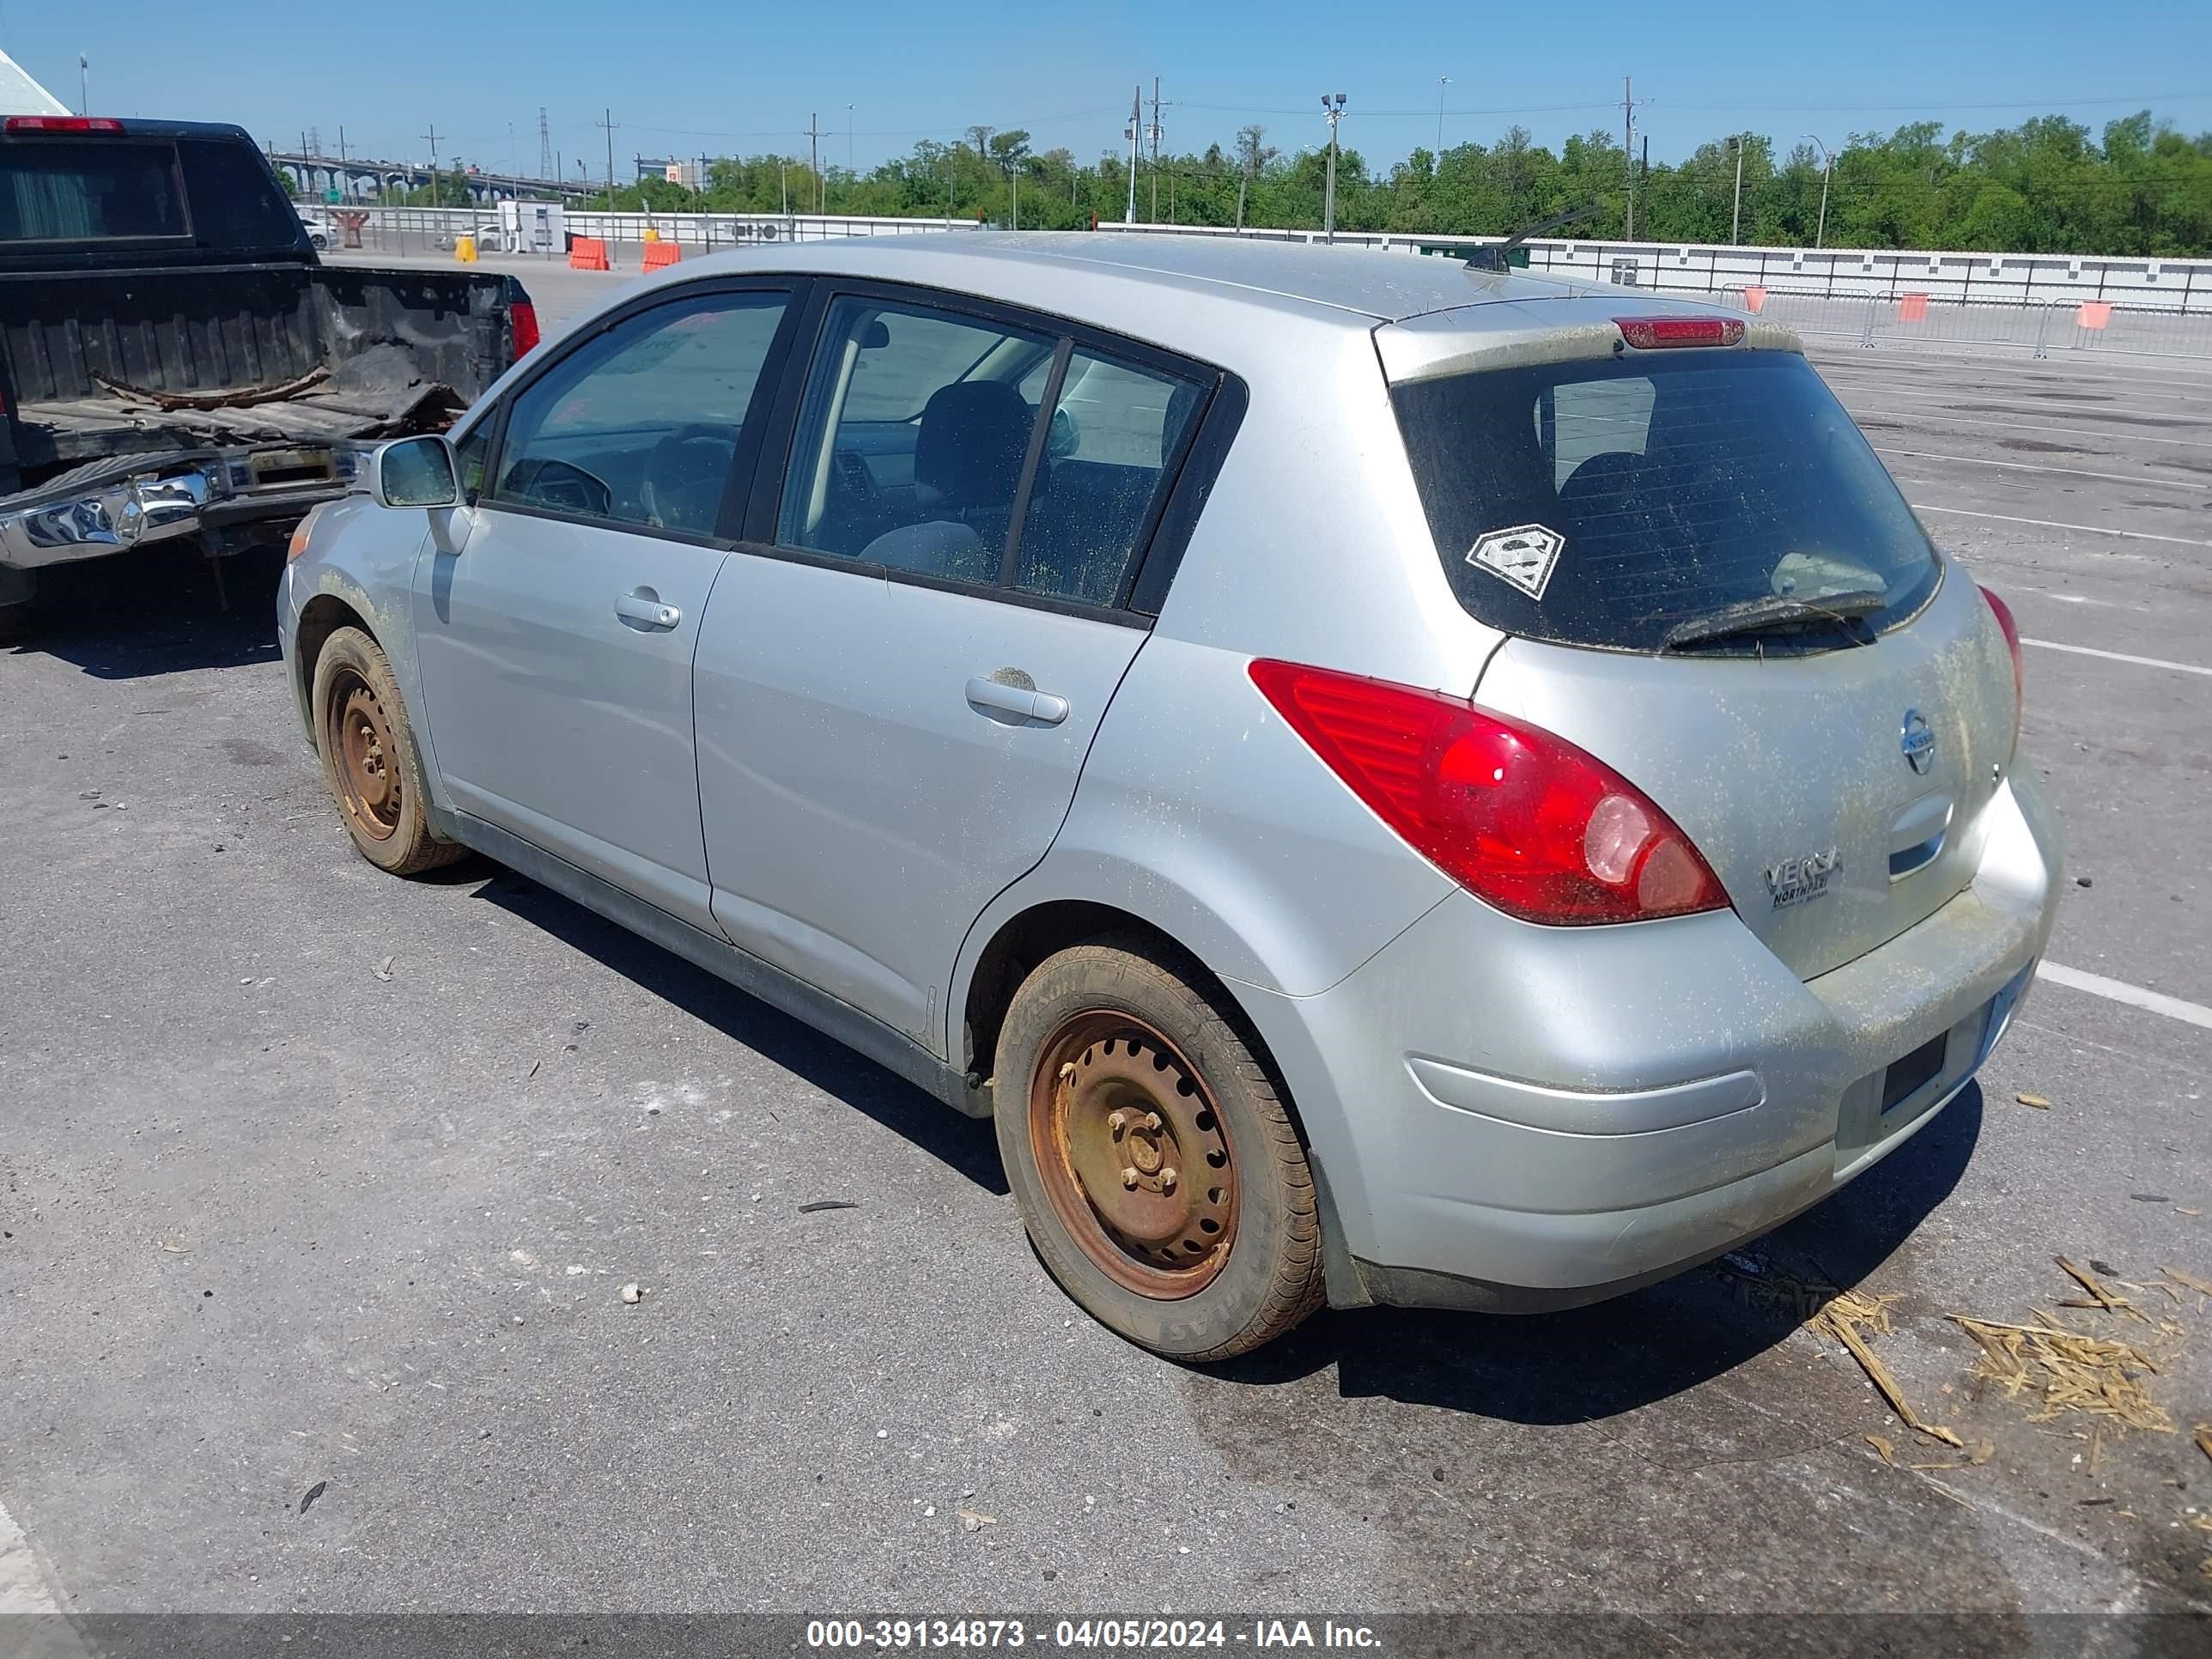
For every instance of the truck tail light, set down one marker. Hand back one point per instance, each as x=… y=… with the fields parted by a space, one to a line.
x=15 y=124
x=1519 y=817
x=2010 y=628
x=1657 y=333
x=522 y=316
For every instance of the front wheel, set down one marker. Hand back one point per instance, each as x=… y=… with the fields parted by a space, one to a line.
x=1157 y=1169
x=369 y=757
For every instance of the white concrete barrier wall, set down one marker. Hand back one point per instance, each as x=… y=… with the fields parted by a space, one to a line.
x=2175 y=285
x=2179 y=285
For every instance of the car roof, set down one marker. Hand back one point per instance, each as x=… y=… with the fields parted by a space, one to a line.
x=1361 y=286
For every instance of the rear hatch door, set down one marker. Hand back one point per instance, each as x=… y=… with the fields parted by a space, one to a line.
x=1712 y=585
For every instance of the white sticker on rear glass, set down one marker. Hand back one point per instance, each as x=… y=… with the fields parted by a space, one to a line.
x=1523 y=556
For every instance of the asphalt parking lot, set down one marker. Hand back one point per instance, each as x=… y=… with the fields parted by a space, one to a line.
x=316 y=1181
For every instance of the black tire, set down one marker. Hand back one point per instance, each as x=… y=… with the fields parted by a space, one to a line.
x=370 y=762
x=14 y=622
x=1265 y=1275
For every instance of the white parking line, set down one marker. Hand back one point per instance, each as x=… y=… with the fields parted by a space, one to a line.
x=2053 y=524
x=2030 y=466
x=22 y=1586
x=2120 y=991
x=2117 y=656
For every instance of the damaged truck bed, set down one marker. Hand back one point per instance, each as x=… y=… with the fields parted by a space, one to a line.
x=176 y=362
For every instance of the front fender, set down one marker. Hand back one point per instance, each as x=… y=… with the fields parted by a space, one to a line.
x=364 y=557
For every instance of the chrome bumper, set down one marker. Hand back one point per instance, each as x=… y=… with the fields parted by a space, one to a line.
x=161 y=497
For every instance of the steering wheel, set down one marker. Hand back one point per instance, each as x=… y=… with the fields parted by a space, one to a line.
x=563 y=484
x=685 y=476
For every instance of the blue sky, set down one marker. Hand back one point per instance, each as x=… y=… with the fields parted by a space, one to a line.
x=724 y=79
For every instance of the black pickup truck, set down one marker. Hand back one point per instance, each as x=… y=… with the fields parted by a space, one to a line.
x=175 y=361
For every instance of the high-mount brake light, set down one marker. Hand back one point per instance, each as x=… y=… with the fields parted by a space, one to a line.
x=60 y=123
x=1519 y=817
x=1657 y=333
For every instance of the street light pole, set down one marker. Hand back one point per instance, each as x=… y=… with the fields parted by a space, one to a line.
x=1136 y=117
x=1443 y=81
x=1735 y=217
x=1827 y=168
x=1332 y=114
x=83 y=84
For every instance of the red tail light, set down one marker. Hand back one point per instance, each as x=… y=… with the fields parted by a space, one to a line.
x=2010 y=628
x=60 y=123
x=1521 y=818
x=522 y=316
x=1655 y=333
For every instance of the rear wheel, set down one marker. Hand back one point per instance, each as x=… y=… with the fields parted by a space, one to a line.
x=1156 y=1167
x=369 y=757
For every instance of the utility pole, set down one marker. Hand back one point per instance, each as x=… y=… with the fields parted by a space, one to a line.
x=1156 y=149
x=1735 y=216
x=607 y=120
x=849 y=139
x=1628 y=150
x=814 y=150
x=433 y=136
x=1136 y=117
x=345 y=178
x=1827 y=167
x=1443 y=81
x=1332 y=114
x=548 y=165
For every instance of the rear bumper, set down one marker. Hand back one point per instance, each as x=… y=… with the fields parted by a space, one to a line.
x=1588 y=1109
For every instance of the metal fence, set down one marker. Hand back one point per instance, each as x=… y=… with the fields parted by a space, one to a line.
x=1915 y=320
x=404 y=230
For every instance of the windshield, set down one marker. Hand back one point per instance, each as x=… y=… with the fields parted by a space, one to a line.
x=1612 y=502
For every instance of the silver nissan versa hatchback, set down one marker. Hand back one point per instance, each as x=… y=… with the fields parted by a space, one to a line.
x=1390 y=782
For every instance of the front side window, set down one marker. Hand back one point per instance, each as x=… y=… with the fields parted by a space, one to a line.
x=640 y=424
x=1706 y=501
x=912 y=439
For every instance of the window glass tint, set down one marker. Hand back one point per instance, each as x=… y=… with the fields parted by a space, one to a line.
x=912 y=439
x=1116 y=431
x=88 y=192
x=236 y=204
x=1615 y=502
x=640 y=425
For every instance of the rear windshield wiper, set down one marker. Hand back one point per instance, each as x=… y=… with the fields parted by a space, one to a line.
x=1777 y=613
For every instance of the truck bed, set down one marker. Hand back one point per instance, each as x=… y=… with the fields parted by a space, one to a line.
x=128 y=362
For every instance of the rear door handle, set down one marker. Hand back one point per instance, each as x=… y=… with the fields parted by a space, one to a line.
x=645 y=606
x=1042 y=706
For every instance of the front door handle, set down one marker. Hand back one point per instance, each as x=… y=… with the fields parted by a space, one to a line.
x=644 y=606
x=1022 y=702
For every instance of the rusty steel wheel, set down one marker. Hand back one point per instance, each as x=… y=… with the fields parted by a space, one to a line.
x=369 y=761
x=360 y=737
x=1152 y=1156
x=1133 y=1155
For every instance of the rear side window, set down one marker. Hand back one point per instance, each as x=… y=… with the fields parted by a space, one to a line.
x=1116 y=433
x=77 y=192
x=235 y=202
x=1633 y=502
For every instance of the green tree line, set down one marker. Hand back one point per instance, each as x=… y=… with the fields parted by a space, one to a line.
x=2048 y=185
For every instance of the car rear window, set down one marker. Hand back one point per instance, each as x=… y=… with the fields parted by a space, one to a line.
x=1620 y=502
x=88 y=192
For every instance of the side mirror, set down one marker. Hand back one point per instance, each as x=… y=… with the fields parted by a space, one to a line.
x=415 y=472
